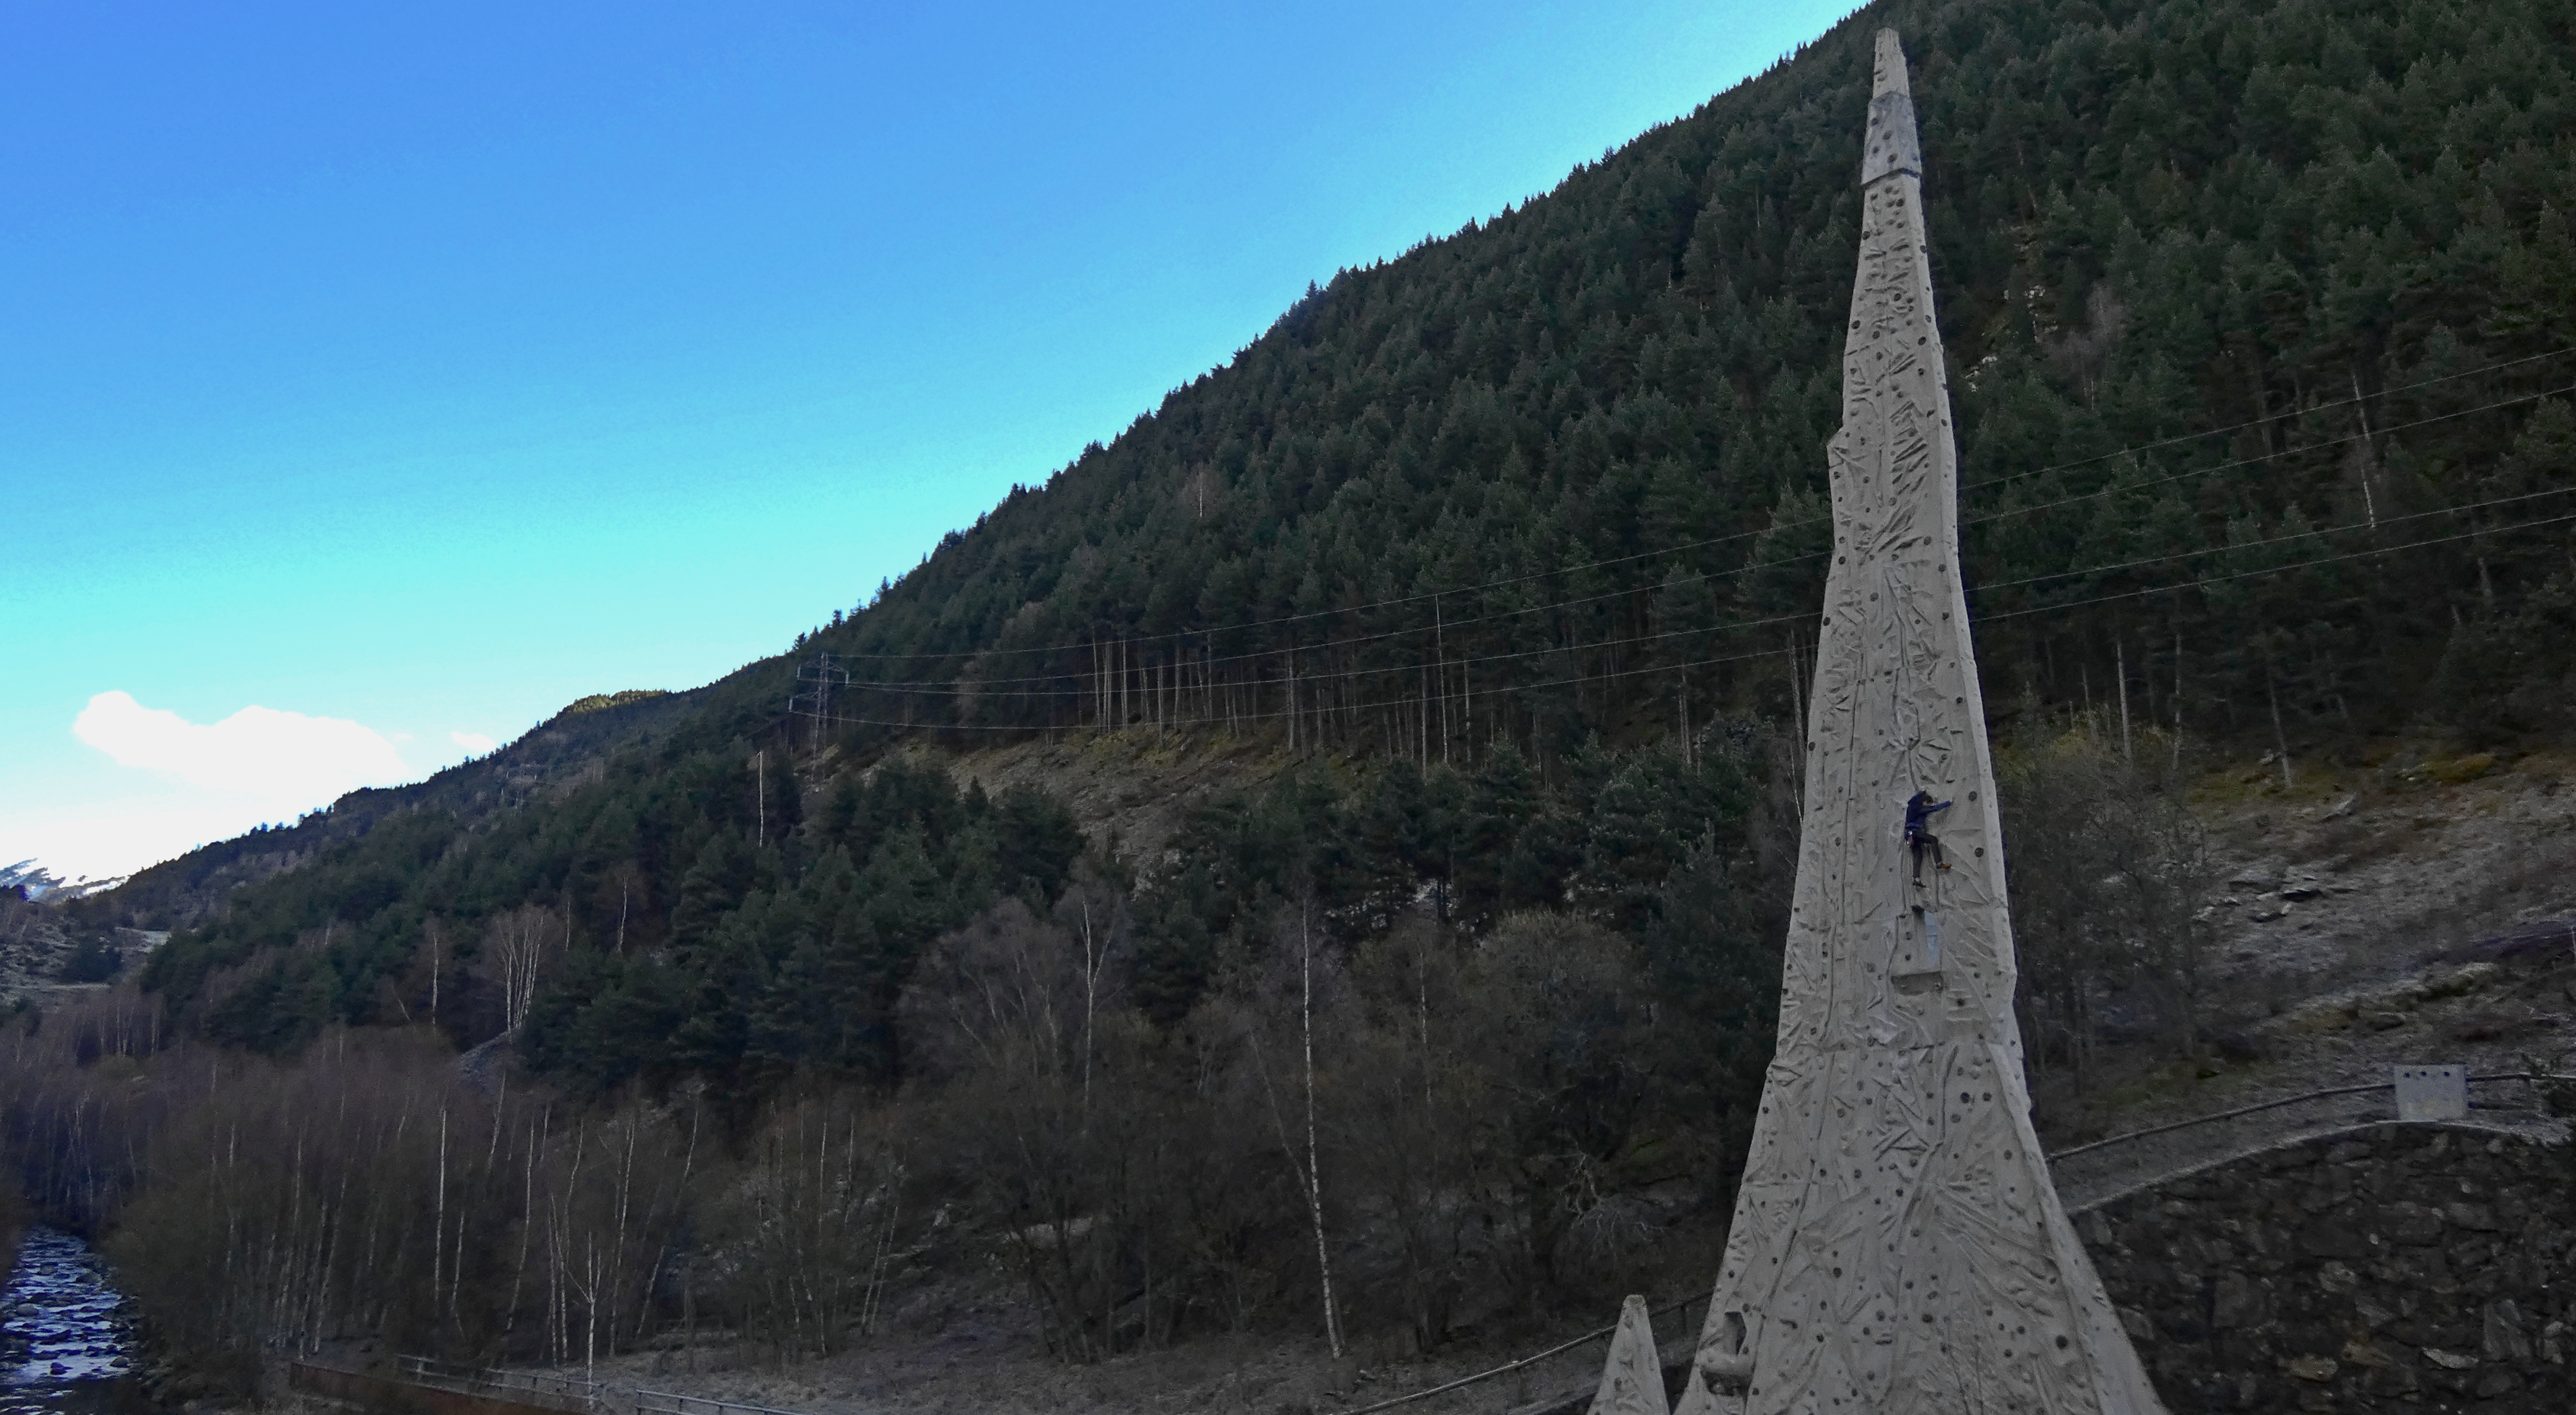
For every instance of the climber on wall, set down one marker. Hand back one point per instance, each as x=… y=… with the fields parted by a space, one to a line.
x=1918 y=819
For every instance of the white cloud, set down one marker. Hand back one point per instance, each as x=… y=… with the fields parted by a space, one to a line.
x=176 y=784
x=296 y=761
x=474 y=743
x=117 y=837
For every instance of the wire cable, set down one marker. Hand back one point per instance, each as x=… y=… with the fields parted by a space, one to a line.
x=2259 y=422
x=985 y=688
x=2275 y=569
x=1176 y=636
x=2266 y=457
x=1265 y=715
x=1706 y=576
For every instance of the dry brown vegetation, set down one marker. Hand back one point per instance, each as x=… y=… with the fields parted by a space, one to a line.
x=260 y=1207
x=1419 y=1137
x=2109 y=870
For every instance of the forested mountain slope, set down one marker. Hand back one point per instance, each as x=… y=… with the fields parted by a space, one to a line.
x=2249 y=306
x=1510 y=547
x=550 y=759
x=2220 y=283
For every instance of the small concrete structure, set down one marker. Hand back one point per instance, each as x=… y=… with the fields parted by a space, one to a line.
x=1632 y=1379
x=2432 y=1093
x=1898 y=1246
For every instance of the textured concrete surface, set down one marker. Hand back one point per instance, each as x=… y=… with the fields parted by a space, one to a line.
x=1898 y=1244
x=1632 y=1376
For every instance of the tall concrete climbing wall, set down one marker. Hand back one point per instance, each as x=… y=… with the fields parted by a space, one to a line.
x=1897 y=1244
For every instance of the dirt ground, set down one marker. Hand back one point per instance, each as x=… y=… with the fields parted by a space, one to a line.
x=991 y=1361
x=1133 y=790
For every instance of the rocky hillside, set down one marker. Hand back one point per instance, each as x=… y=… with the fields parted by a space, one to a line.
x=2402 y=905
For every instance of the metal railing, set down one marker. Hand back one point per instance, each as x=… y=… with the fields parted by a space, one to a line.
x=1515 y=1366
x=2100 y=1171
x=570 y=1393
x=2073 y=1150
x=663 y=1402
x=2105 y=1143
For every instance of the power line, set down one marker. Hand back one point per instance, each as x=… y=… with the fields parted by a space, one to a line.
x=1252 y=655
x=821 y=676
x=1178 y=636
x=2262 y=421
x=2266 y=457
x=926 y=689
x=2283 y=540
x=2279 y=569
x=1268 y=715
x=1706 y=576
x=987 y=686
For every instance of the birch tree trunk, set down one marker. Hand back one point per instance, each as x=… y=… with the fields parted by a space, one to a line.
x=1314 y=1168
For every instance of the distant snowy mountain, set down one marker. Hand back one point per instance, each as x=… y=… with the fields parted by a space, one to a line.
x=41 y=883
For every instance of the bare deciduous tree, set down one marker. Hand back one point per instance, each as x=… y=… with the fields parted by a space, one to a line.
x=521 y=947
x=2108 y=866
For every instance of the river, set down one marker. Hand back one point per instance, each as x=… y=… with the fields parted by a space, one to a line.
x=65 y=1344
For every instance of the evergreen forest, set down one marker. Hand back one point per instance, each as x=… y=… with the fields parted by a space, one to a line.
x=1496 y=563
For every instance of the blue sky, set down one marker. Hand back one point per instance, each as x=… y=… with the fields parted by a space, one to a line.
x=374 y=380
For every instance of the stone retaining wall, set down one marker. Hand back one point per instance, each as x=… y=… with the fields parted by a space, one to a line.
x=2398 y=1268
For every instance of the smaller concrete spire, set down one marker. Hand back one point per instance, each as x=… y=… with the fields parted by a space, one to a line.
x=1632 y=1380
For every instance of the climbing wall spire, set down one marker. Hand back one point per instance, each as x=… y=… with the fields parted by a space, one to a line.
x=1898 y=1245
